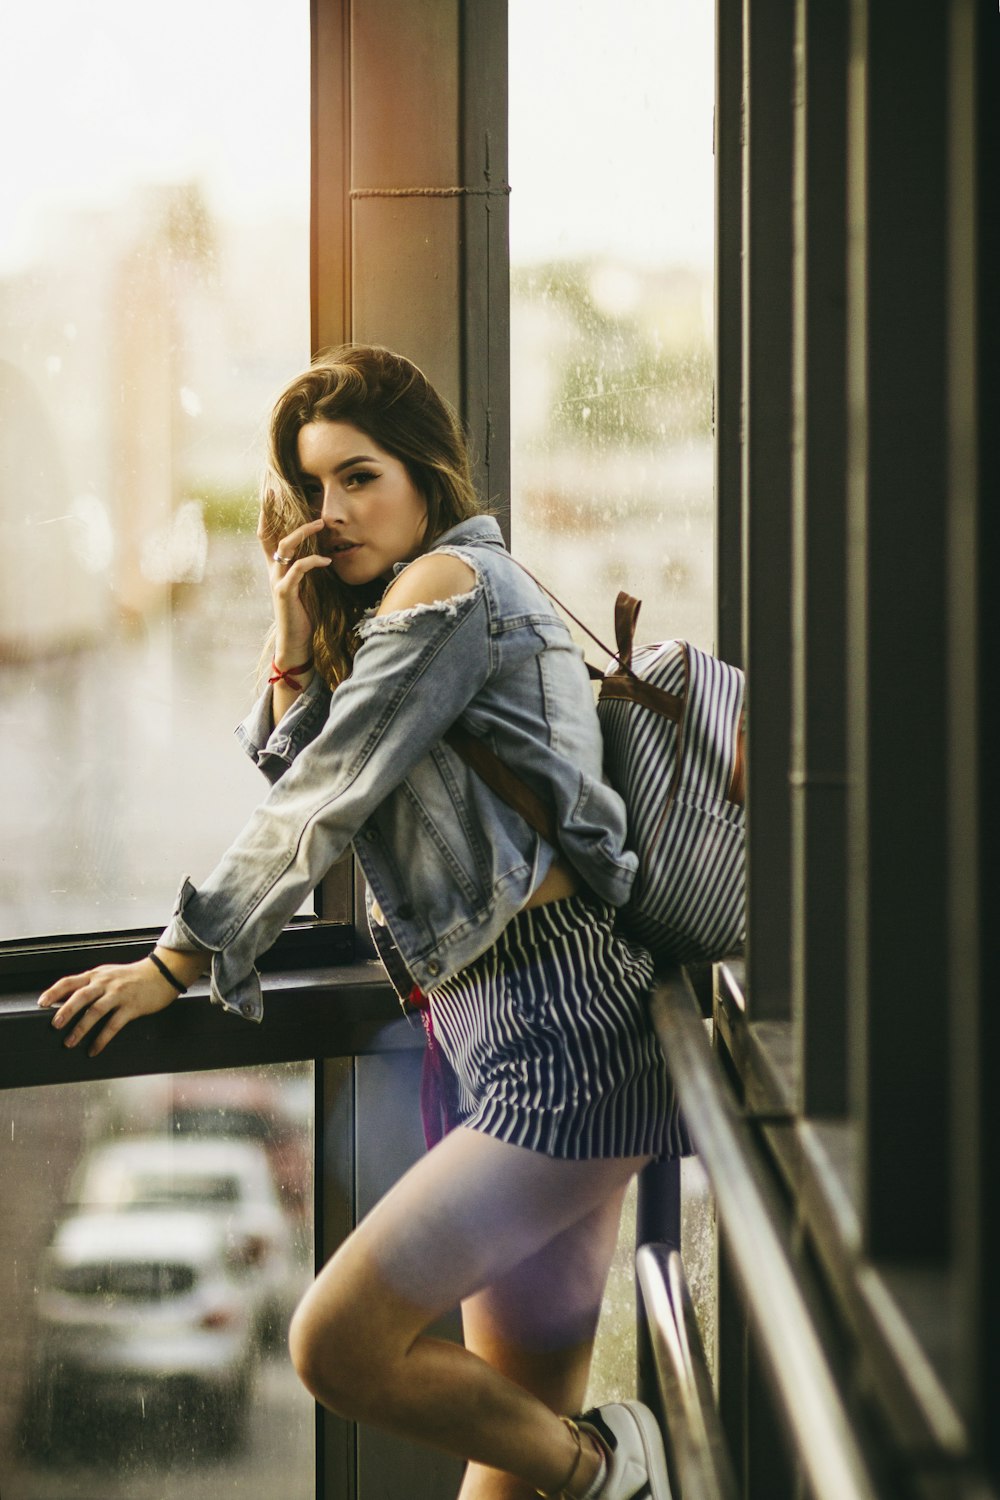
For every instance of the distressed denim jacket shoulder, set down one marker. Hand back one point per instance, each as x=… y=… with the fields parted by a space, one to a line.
x=448 y=862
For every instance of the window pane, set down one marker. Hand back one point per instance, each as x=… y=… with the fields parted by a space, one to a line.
x=611 y=236
x=153 y=297
x=611 y=339
x=164 y=1233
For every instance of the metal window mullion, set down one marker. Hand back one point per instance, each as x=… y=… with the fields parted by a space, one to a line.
x=818 y=779
x=897 y=694
x=485 y=250
x=330 y=226
x=727 y=390
x=766 y=491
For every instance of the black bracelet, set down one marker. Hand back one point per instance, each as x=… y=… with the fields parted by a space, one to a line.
x=171 y=978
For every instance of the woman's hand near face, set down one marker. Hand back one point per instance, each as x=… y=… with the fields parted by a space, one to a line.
x=293 y=627
x=115 y=994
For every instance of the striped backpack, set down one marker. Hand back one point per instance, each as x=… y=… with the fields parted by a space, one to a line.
x=672 y=718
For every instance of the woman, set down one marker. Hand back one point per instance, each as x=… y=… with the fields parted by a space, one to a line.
x=398 y=612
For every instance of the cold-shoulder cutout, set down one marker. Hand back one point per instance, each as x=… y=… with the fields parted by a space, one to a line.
x=430 y=579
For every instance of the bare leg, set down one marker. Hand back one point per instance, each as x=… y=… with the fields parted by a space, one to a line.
x=460 y=1220
x=537 y=1324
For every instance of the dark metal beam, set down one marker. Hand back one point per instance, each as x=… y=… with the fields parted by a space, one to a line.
x=766 y=490
x=897 y=624
x=819 y=521
x=974 y=651
x=727 y=398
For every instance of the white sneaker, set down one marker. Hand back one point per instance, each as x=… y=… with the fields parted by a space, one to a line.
x=637 y=1467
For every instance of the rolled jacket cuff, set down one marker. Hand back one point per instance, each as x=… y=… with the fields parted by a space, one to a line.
x=240 y=994
x=273 y=748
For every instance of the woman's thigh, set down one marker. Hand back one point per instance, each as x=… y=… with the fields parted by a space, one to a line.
x=537 y=1323
x=460 y=1220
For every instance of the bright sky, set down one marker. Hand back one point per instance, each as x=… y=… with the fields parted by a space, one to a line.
x=610 y=137
x=611 y=129
x=95 y=97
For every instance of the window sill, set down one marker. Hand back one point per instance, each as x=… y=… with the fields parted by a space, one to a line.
x=338 y=1011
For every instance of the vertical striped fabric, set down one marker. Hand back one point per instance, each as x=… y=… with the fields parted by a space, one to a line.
x=688 y=901
x=549 y=1036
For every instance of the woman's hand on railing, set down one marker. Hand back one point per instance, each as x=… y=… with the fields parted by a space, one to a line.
x=114 y=994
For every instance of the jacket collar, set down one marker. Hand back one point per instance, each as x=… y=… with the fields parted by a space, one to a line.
x=476 y=531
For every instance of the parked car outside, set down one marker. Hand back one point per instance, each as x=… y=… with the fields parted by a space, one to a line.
x=146 y=1313
x=229 y=1181
x=252 y=1106
x=270 y=1106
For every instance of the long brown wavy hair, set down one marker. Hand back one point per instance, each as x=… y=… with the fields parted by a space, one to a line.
x=389 y=399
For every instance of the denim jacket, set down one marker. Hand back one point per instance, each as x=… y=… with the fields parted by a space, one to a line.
x=447 y=861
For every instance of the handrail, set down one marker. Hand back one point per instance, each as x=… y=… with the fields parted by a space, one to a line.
x=332 y=1012
x=749 y=1211
x=696 y=1449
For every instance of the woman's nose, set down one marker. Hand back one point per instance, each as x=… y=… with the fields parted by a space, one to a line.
x=333 y=510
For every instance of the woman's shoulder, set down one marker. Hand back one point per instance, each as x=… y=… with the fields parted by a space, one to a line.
x=432 y=579
x=471 y=555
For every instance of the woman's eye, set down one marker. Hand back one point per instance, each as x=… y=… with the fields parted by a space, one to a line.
x=313 y=494
x=359 y=477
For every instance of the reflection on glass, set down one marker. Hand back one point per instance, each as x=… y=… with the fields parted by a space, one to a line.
x=611 y=236
x=153 y=297
x=156 y=1266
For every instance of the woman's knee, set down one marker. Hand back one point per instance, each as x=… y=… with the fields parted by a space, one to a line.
x=344 y=1342
x=328 y=1349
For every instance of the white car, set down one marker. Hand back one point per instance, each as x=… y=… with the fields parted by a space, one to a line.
x=230 y=1181
x=141 y=1311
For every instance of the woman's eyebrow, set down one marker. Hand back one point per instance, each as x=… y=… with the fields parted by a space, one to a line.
x=362 y=458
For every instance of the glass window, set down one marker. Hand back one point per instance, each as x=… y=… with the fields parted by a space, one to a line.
x=163 y=1234
x=611 y=239
x=154 y=295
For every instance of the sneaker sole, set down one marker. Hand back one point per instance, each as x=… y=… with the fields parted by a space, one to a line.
x=653 y=1451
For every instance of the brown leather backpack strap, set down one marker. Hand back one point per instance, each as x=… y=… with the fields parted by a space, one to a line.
x=637 y=690
x=626 y=614
x=568 y=613
x=501 y=779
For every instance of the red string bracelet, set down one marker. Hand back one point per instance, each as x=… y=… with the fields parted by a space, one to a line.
x=289 y=675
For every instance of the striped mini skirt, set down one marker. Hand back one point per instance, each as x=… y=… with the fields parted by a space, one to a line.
x=545 y=1041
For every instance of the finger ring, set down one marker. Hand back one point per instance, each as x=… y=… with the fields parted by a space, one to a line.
x=286 y=562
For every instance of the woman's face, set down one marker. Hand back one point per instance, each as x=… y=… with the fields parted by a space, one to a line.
x=373 y=514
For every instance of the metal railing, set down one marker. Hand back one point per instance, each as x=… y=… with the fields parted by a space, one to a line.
x=697 y=1455
x=750 y=1215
